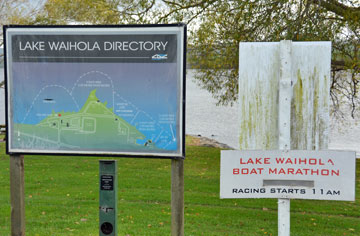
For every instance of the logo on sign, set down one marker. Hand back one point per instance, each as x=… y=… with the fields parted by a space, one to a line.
x=158 y=57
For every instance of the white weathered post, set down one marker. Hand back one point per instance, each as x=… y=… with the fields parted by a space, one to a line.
x=285 y=95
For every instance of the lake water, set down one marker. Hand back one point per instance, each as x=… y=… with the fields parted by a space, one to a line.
x=221 y=123
x=204 y=118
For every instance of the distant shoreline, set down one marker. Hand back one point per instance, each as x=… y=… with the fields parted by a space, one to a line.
x=198 y=140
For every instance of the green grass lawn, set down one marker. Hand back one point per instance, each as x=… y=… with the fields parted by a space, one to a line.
x=61 y=197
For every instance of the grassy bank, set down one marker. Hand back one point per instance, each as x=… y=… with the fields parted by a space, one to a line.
x=62 y=199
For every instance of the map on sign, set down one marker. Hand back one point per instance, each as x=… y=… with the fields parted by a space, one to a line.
x=66 y=99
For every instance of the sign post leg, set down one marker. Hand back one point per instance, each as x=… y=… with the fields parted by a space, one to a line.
x=17 y=195
x=177 y=197
x=283 y=217
x=285 y=95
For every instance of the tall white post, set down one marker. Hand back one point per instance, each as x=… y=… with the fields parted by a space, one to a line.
x=285 y=95
x=284 y=100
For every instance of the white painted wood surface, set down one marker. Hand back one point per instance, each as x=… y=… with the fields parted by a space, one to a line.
x=284 y=91
x=285 y=94
x=272 y=174
x=311 y=95
x=259 y=74
x=283 y=217
x=258 y=95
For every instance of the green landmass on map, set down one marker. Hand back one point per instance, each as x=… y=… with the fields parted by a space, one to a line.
x=94 y=127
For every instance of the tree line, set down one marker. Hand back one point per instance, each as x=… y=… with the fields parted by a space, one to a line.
x=217 y=27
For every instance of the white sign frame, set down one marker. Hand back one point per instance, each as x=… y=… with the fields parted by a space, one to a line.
x=318 y=175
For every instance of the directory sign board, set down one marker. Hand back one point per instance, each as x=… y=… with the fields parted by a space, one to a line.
x=96 y=90
x=322 y=175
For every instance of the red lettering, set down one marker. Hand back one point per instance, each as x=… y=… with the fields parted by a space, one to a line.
x=244 y=171
x=273 y=171
x=280 y=160
x=267 y=160
x=253 y=171
x=314 y=171
x=249 y=161
x=325 y=172
x=247 y=171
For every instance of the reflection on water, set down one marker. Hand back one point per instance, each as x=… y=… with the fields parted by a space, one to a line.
x=204 y=118
x=221 y=123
